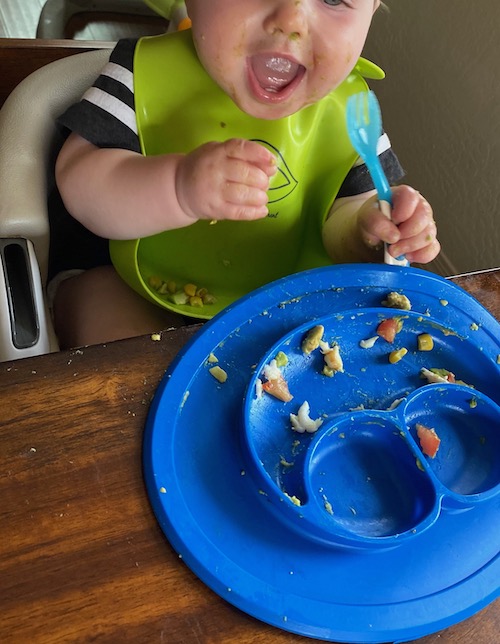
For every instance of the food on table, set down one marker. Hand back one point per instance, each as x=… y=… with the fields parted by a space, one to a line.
x=389 y=327
x=275 y=383
x=396 y=300
x=302 y=421
x=312 y=339
x=429 y=440
x=425 y=342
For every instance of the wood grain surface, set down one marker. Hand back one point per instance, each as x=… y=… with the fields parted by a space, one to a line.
x=82 y=558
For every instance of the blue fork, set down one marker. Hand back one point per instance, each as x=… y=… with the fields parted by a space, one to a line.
x=364 y=125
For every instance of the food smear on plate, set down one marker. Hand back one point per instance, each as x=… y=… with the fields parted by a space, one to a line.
x=396 y=300
x=429 y=440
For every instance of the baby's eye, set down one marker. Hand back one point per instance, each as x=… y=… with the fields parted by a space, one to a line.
x=333 y=3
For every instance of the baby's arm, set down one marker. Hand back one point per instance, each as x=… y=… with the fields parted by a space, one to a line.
x=121 y=194
x=355 y=228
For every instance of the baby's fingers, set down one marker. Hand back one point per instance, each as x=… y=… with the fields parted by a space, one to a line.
x=375 y=227
x=247 y=174
x=251 y=152
x=421 y=248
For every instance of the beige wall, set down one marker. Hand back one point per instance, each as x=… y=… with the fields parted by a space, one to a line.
x=441 y=107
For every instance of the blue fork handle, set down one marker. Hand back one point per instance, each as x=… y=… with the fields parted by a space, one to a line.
x=379 y=179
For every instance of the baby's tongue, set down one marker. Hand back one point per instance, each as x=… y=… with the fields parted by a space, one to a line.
x=273 y=72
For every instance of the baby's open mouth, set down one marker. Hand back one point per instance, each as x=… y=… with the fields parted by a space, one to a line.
x=274 y=73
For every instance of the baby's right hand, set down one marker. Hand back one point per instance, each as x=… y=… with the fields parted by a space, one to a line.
x=226 y=180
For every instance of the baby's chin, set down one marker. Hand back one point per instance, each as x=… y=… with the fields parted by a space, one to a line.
x=266 y=111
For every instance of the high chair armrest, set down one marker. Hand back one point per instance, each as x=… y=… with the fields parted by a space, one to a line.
x=25 y=326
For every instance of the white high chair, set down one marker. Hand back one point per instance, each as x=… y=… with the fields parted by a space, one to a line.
x=28 y=143
x=28 y=138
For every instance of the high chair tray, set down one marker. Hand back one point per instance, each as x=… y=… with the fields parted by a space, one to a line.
x=348 y=533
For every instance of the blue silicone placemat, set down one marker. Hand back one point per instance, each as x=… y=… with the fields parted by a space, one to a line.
x=218 y=514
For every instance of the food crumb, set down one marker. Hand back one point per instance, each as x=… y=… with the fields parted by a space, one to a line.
x=281 y=359
x=474 y=327
x=312 y=339
x=396 y=356
x=425 y=342
x=296 y=501
x=218 y=373
x=212 y=359
x=396 y=300
x=328 y=505
x=473 y=403
x=163 y=490
x=302 y=421
x=156 y=337
x=429 y=440
x=443 y=302
x=369 y=342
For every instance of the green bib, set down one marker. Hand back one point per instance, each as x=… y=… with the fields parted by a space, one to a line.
x=178 y=108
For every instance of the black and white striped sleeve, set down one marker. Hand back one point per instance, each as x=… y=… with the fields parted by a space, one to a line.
x=105 y=116
x=359 y=180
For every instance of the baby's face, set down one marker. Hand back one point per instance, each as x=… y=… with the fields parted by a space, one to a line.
x=274 y=57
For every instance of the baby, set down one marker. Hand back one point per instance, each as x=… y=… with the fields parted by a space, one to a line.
x=202 y=126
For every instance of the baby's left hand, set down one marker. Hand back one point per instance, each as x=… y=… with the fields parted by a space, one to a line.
x=412 y=231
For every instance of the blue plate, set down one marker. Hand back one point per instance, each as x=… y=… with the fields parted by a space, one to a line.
x=350 y=533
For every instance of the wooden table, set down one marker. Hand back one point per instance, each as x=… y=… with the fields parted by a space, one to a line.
x=81 y=555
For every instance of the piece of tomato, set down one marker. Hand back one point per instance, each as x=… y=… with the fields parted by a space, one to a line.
x=429 y=440
x=388 y=328
x=278 y=388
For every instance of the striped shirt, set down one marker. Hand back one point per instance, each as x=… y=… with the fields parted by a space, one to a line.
x=105 y=116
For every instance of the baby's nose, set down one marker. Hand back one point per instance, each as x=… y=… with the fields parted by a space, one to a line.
x=287 y=17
